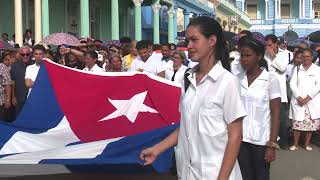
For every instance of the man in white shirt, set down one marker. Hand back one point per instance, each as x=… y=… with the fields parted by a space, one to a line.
x=278 y=61
x=166 y=58
x=147 y=61
x=282 y=43
x=32 y=70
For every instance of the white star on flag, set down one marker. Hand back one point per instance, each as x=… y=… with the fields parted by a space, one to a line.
x=129 y=108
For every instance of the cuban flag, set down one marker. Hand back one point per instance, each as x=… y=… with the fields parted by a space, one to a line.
x=73 y=117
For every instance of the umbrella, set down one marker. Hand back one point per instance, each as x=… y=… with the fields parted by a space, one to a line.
x=314 y=37
x=60 y=38
x=290 y=36
x=5 y=46
x=114 y=42
x=258 y=36
x=297 y=42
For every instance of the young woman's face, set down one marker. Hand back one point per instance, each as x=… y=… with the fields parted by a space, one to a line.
x=89 y=61
x=249 y=58
x=198 y=45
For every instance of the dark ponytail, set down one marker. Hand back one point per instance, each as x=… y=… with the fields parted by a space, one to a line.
x=208 y=27
x=263 y=63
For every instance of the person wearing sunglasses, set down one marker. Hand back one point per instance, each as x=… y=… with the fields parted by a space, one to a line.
x=17 y=73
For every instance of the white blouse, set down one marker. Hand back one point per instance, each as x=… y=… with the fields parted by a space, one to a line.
x=206 y=110
x=256 y=100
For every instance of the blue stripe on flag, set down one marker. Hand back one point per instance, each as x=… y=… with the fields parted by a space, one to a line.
x=127 y=151
x=40 y=113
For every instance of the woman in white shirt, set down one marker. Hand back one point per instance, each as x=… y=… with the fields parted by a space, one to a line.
x=304 y=107
x=176 y=72
x=90 y=61
x=209 y=136
x=296 y=61
x=260 y=94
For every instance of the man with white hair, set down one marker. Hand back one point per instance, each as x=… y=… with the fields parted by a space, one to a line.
x=17 y=73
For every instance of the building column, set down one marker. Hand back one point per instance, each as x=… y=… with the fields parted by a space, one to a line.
x=84 y=19
x=170 y=25
x=137 y=19
x=277 y=9
x=18 y=22
x=266 y=9
x=45 y=18
x=186 y=18
x=270 y=9
x=301 y=8
x=37 y=21
x=156 y=24
x=307 y=9
x=175 y=20
x=115 y=20
x=311 y=9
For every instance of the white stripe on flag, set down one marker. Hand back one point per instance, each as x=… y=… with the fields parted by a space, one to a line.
x=78 y=151
x=59 y=136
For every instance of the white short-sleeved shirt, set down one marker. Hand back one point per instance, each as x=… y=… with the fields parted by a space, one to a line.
x=153 y=64
x=278 y=67
x=31 y=73
x=206 y=110
x=256 y=100
x=95 y=68
x=236 y=67
x=178 y=78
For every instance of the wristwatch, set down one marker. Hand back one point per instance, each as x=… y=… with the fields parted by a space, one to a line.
x=272 y=145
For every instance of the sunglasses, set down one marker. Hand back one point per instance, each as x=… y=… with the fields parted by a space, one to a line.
x=112 y=50
x=27 y=54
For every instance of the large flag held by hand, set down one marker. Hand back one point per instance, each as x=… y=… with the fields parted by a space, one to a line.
x=81 y=118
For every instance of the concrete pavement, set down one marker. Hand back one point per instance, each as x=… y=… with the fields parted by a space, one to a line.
x=290 y=165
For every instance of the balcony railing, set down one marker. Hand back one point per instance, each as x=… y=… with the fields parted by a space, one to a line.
x=284 y=21
x=233 y=8
x=316 y=21
x=258 y=21
x=289 y=20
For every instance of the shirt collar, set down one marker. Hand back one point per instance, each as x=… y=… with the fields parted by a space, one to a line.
x=214 y=73
x=263 y=76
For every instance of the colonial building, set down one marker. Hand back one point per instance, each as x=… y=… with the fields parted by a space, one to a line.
x=232 y=16
x=101 y=19
x=279 y=16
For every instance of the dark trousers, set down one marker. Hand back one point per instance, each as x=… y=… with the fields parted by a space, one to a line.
x=252 y=163
x=6 y=114
x=283 y=131
x=18 y=108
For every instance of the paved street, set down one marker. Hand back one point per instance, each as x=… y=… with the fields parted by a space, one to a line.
x=290 y=165
x=297 y=165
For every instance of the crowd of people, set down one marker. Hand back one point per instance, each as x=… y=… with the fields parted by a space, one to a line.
x=236 y=98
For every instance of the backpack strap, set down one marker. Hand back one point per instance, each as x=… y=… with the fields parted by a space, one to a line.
x=187 y=82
